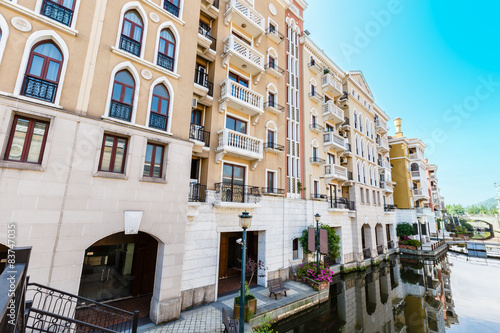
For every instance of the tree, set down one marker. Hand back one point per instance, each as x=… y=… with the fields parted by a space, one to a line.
x=333 y=241
x=473 y=209
x=405 y=229
x=493 y=210
x=483 y=210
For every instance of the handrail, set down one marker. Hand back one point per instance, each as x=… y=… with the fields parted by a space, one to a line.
x=229 y=88
x=252 y=14
x=330 y=108
x=233 y=43
x=239 y=140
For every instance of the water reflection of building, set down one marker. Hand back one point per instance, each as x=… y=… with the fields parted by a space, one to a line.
x=401 y=295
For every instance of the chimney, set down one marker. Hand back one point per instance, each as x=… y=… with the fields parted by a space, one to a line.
x=397 y=124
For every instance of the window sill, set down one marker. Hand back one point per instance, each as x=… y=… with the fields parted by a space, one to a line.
x=31 y=100
x=153 y=180
x=21 y=166
x=112 y=175
x=135 y=125
x=39 y=17
x=146 y=63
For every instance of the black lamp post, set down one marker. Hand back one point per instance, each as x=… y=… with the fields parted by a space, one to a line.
x=317 y=217
x=245 y=223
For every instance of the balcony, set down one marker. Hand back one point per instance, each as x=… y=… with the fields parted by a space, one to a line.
x=130 y=45
x=158 y=121
x=386 y=187
x=390 y=208
x=165 y=61
x=273 y=191
x=274 y=107
x=275 y=35
x=171 y=8
x=202 y=86
x=338 y=203
x=315 y=67
x=210 y=8
x=348 y=151
x=198 y=133
x=333 y=113
x=241 y=14
x=197 y=192
x=380 y=125
x=383 y=145
x=346 y=125
x=273 y=147
x=242 y=55
x=205 y=40
x=229 y=192
x=332 y=85
x=120 y=111
x=334 y=141
x=424 y=211
x=316 y=97
x=240 y=145
x=57 y=12
x=416 y=156
x=415 y=175
x=335 y=172
x=240 y=98
x=318 y=197
x=315 y=127
x=317 y=161
x=39 y=89
x=419 y=194
x=274 y=70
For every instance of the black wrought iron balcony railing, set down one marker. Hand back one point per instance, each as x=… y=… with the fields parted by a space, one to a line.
x=272 y=191
x=158 y=121
x=57 y=12
x=207 y=33
x=197 y=192
x=274 y=105
x=198 y=133
x=171 y=8
x=201 y=78
x=278 y=69
x=338 y=203
x=317 y=196
x=275 y=32
x=228 y=192
x=318 y=160
x=130 y=45
x=390 y=208
x=39 y=89
x=120 y=111
x=318 y=127
x=165 y=61
x=274 y=146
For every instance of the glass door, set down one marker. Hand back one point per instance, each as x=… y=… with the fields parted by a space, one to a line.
x=233 y=180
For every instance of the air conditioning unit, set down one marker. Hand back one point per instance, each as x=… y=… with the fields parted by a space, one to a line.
x=343 y=160
x=195 y=103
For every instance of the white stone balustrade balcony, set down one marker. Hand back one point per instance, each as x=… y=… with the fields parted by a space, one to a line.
x=242 y=14
x=240 y=98
x=332 y=85
x=242 y=55
x=383 y=145
x=240 y=145
x=381 y=125
x=333 y=171
x=333 y=112
x=334 y=141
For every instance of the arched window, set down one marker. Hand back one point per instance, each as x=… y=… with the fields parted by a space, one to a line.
x=367 y=125
x=356 y=140
x=43 y=72
x=122 y=98
x=358 y=165
x=160 y=103
x=364 y=173
x=362 y=144
x=166 y=50
x=295 y=249
x=132 y=32
x=271 y=135
x=355 y=120
x=414 y=167
x=360 y=123
x=59 y=10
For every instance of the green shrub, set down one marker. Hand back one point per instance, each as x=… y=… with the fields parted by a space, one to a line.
x=333 y=241
x=410 y=242
x=405 y=229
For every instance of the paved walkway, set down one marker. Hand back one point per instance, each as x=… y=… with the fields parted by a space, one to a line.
x=208 y=318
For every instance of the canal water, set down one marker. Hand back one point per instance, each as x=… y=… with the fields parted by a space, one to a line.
x=406 y=294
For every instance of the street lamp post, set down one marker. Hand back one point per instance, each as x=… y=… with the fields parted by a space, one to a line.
x=245 y=223
x=317 y=217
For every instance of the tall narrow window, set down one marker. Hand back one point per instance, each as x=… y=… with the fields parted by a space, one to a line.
x=270 y=182
x=295 y=248
x=59 y=10
x=153 y=165
x=113 y=153
x=160 y=102
x=271 y=97
x=43 y=72
x=166 y=50
x=172 y=6
x=132 y=30
x=236 y=125
x=122 y=98
x=27 y=140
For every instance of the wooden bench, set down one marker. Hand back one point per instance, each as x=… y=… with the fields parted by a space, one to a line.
x=276 y=287
x=230 y=325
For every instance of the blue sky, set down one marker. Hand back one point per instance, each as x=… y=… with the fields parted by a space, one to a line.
x=435 y=64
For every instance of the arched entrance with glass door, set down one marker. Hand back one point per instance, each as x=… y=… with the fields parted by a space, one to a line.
x=121 y=267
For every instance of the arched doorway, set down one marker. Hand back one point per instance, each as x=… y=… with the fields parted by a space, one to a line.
x=118 y=267
x=366 y=241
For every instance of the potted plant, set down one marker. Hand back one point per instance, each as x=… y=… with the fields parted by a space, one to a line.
x=252 y=269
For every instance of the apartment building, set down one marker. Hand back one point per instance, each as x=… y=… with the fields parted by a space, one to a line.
x=412 y=193
x=94 y=139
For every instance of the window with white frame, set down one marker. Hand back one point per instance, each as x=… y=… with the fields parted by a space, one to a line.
x=271 y=135
x=295 y=249
x=271 y=182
